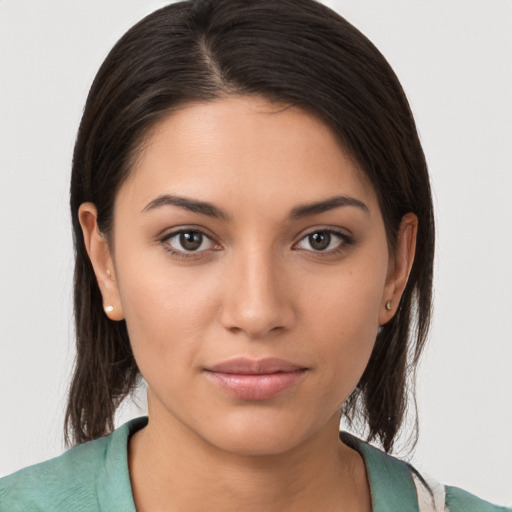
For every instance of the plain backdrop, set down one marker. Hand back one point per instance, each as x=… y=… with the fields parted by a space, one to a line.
x=455 y=62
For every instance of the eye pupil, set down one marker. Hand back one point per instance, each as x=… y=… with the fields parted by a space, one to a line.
x=191 y=240
x=319 y=240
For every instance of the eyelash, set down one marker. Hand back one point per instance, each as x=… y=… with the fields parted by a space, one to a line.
x=165 y=241
x=344 y=241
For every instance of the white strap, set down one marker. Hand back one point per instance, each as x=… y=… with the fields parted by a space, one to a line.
x=431 y=494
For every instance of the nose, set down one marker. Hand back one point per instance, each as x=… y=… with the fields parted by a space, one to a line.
x=257 y=300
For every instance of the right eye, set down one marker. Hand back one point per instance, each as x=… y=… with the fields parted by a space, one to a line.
x=188 y=241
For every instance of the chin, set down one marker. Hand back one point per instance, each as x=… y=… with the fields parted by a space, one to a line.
x=255 y=442
x=262 y=434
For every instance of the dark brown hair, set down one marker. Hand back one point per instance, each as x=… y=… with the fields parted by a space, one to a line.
x=294 y=51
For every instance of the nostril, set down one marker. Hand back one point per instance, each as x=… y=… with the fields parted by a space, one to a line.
x=254 y=302
x=256 y=331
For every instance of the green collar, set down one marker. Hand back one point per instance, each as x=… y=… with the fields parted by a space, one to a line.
x=390 y=480
x=114 y=490
x=391 y=484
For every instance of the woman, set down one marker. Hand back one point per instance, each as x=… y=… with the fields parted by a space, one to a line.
x=254 y=236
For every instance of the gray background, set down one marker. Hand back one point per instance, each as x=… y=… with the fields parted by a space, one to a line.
x=454 y=60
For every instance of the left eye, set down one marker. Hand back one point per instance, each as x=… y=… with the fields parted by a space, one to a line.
x=189 y=241
x=322 y=241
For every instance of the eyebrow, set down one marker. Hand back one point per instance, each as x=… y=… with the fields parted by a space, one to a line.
x=326 y=205
x=192 y=205
x=206 y=208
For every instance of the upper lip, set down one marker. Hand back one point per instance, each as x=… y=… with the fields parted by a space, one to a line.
x=247 y=366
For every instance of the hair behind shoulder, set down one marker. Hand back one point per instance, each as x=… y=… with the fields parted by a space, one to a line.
x=293 y=51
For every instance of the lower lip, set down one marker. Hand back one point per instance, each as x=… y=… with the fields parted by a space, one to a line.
x=256 y=387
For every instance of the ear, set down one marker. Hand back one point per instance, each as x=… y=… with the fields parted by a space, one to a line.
x=99 y=253
x=399 y=267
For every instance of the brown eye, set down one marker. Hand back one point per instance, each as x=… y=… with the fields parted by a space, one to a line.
x=189 y=240
x=319 y=241
x=323 y=240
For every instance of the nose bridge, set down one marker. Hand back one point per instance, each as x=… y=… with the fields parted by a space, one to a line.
x=255 y=299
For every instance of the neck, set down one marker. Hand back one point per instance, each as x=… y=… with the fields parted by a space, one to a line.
x=172 y=469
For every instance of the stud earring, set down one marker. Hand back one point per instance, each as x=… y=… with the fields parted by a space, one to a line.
x=109 y=309
x=388 y=305
x=109 y=273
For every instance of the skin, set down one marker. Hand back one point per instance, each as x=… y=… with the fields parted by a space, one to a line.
x=257 y=288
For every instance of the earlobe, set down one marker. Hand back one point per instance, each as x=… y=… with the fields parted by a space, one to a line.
x=98 y=251
x=400 y=267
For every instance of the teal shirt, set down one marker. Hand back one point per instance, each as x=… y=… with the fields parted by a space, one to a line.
x=94 y=477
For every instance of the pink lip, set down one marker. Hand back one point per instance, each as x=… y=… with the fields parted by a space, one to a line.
x=250 y=379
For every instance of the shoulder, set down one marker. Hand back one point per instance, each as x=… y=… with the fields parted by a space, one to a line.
x=394 y=482
x=458 y=500
x=66 y=482
x=92 y=476
x=436 y=497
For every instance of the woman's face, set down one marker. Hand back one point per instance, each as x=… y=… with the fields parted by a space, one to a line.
x=251 y=264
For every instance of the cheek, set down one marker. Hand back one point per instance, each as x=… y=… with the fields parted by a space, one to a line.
x=348 y=300
x=167 y=311
x=345 y=336
x=344 y=323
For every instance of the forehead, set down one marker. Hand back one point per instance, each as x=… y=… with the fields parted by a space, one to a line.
x=243 y=148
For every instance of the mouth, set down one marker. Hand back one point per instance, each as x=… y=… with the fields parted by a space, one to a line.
x=250 y=379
